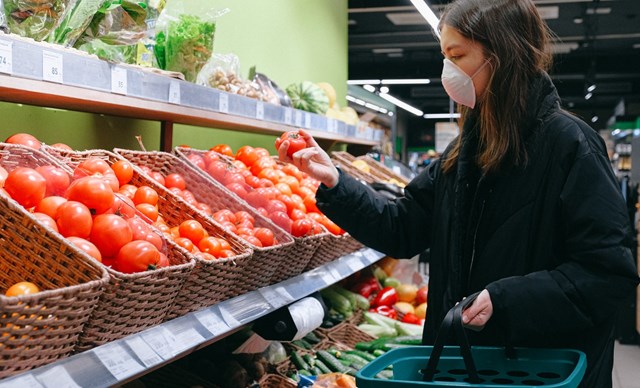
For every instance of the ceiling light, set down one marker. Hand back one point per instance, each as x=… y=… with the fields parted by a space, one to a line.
x=588 y=96
x=414 y=81
x=442 y=116
x=636 y=46
x=594 y=119
x=369 y=88
x=428 y=14
x=401 y=104
x=578 y=20
x=405 y=18
x=352 y=22
x=564 y=48
x=591 y=88
x=599 y=11
x=550 y=12
x=390 y=113
x=384 y=89
x=363 y=82
x=387 y=50
x=355 y=100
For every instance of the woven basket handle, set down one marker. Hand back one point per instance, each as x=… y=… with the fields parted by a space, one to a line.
x=453 y=319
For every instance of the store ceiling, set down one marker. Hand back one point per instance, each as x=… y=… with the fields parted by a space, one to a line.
x=598 y=42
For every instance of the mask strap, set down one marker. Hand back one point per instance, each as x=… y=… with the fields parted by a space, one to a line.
x=486 y=62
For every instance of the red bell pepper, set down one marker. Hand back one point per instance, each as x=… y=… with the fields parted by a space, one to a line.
x=366 y=287
x=411 y=318
x=387 y=311
x=386 y=297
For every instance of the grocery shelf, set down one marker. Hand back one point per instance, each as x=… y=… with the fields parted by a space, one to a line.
x=46 y=75
x=123 y=360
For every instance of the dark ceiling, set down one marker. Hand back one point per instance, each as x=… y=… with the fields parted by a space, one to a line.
x=597 y=42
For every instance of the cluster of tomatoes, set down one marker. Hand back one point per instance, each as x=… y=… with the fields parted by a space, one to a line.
x=277 y=190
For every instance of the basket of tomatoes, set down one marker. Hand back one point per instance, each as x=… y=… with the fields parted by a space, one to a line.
x=269 y=244
x=258 y=181
x=147 y=270
x=48 y=286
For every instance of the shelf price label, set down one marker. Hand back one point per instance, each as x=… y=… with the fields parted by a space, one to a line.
x=327 y=277
x=307 y=120
x=370 y=255
x=52 y=66
x=57 y=377
x=277 y=297
x=24 y=381
x=143 y=351
x=229 y=319
x=118 y=361
x=260 y=110
x=212 y=321
x=174 y=92
x=288 y=116
x=223 y=103
x=161 y=341
x=6 y=57
x=186 y=340
x=332 y=125
x=119 y=80
x=354 y=265
x=298 y=118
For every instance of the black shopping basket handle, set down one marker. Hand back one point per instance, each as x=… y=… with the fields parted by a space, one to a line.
x=453 y=319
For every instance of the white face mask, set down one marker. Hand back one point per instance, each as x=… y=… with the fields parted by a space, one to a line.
x=458 y=84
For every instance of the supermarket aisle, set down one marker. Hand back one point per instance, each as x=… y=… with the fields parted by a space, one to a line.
x=626 y=367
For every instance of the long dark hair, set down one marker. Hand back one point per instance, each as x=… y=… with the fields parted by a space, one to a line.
x=516 y=42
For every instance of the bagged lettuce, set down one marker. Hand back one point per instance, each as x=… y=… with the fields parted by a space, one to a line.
x=35 y=19
x=75 y=22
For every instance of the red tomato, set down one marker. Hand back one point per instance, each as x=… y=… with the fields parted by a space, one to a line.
x=223 y=149
x=123 y=170
x=22 y=288
x=93 y=192
x=265 y=236
x=46 y=220
x=164 y=261
x=137 y=256
x=197 y=161
x=261 y=152
x=62 y=146
x=301 y=227
x=128 y=190
x=156 y=176
x=281 y=219
x=210 y=157
x=242 y=215
x=263 y=163
x=310 y=204
x=175 y=180
x=24 y=139
x=109 y=233
x=26 y=186
x=203 y=207
x=226 y=253
x=93 y=166
x=296 y=142
x=283 y=188
x=210 y=245
x=225 y=215
x=297 y=214
x=252 y=181
x=86 y=246
x=276 y=205
x=57 y=179
x=148 y=210
x=256 y=199
x=145 y=194
x=49 y=205
x=74 y=219
x=185 y=243
x=238 y=189
x=293 y=171
x=123 y=206
x=251 y=240
x=192 y=230
x=247 y=155
x=142 y=231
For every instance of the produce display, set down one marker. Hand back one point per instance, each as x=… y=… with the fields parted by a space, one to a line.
x=309 y=97
x=35 y=19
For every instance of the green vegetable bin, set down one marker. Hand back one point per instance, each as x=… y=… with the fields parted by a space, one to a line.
x=465 y=366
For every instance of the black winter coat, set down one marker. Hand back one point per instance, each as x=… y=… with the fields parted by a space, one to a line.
x=549 y=241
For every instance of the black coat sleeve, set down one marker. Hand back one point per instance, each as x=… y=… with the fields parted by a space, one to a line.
x=595 y=272
x=400 y=228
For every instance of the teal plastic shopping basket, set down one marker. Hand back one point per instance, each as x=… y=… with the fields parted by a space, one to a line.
x=481 y=366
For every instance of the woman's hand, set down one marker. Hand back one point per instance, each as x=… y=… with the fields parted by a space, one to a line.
x=476 y=316
x=312 y=160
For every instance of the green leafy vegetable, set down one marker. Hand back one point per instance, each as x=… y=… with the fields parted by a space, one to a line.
x=75 y=22
x=32 y=18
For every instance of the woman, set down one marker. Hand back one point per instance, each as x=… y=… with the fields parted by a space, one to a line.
x=522 y=206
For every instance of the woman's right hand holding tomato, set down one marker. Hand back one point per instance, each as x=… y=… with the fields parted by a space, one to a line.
x=310 y=158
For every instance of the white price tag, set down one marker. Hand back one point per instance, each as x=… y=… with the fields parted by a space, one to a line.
x=288 y=116
x=336 y=274
x=119 y=80
x=370 y=255
x=212 y=321
x=307 y=120
x=24 y=381
x=277 y=297
x=229 y=319
x=298 y=118
x=174 y=92
x=118 y=361
x=332 y=125
x=57 y=377
x=223 y=103
x=143 y=351
x=6 y=57
x=328 y=278
x=161 y=341
x=260 y=110
x=187 y=340
x=354 y=265
x=52 y=66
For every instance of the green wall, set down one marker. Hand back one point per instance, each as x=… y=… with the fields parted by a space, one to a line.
x=288 y=40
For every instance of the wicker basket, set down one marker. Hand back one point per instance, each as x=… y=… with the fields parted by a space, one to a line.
x=381 y=170
x=131 y=302
x=349 y=335
x=276 y=381
x=333 y=248
x=267 y=262
x=40 y=328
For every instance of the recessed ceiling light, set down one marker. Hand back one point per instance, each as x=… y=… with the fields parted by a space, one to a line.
x=352 y=22
x=636 y=46
x=578 y=20
x=387 y=50
x=599 y=11
x=551 y=12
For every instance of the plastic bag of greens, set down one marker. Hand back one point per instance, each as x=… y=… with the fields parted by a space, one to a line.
x=3 y=18
x=109 y=52
x=184 y=43
x=75 y=22
x=35 y=19
x=118 y=22
x=145 y=55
